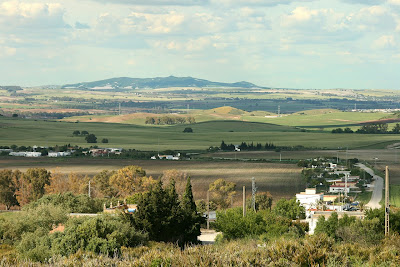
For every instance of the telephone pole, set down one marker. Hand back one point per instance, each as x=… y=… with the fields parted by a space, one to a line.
x=253 y=193
x=244 y=201
x=387 y=206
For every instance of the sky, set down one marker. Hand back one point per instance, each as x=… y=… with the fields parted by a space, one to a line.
x=278 y=43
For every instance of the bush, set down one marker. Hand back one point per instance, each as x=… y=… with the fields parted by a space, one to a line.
x=102 y=234
x=233 y=225
x=104 y=140
x=70 y=203
x=188 y=130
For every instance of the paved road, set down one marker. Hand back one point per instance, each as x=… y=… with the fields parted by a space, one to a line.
x=378 y=187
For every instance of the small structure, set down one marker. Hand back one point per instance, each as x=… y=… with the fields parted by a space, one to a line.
x=127 y=208
x=26 y=154
x=58 y=154
x=339 y=189
x=309 y=198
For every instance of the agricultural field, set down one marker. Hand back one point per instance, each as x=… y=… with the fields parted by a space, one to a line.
x=281 y=180
x=205 y=134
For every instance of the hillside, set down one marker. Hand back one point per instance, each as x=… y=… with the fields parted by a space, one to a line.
x=158 y=82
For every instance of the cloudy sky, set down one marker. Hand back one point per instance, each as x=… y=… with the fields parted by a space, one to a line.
x=279 y=43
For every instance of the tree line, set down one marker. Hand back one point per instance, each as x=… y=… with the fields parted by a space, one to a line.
x=371 y=128
x=169 y=120
x=245 y=146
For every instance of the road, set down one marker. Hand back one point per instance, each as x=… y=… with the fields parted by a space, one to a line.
x=378 y=187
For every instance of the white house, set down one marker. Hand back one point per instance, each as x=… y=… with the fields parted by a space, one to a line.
x=26 y=154
x=58 y=154
x=309 y=199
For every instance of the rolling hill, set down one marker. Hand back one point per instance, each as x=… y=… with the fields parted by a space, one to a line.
x=159 y=82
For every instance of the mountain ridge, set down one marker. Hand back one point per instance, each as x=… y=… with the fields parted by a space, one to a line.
x=157 y=82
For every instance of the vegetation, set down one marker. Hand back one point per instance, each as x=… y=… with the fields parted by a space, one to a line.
x=169 y=120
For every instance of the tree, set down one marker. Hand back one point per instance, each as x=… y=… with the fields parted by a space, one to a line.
x=76 y=132
x=165 y=217
x=8 y=187
x=222 y=192
x=15 y=115
x=396 y=129
x=104 y=140
x=130 y=180
x=192 y=219
x=179 y=177
x=290 y=209
x=84 y=132
x=263 y=201
x=102 y=183
x=32 y=184
x=59 y=183
x=91 y=138
x=188 y=130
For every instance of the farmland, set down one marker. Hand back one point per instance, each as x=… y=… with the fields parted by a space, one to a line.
x=206 y=134
x=282 y=180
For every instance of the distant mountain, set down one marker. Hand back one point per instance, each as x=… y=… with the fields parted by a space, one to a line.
x=159 y=82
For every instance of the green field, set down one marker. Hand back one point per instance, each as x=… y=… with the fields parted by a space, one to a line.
x=394 y=195
x=50 y=133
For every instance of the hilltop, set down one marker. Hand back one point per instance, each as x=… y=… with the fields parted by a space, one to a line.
x=158 y=82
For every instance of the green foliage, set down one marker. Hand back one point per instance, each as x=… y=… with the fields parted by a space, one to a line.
x=101 y=234
x=165 y=217
x=263 y=201
x=29 y=220
x=104 y=141
x=233 y=225
x=222 y=193
x=76 y=132
x=70 y=203
x=91 y=138
x=188 y=130
x=8 y=187
x=102 y=183
x=290 y=209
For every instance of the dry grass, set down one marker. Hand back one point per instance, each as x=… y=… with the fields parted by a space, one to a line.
x=282 y=180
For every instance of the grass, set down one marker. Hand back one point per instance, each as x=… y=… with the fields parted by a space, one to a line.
x=50 y=133
x=394 y=195
x=364 y=197
x=282 y=180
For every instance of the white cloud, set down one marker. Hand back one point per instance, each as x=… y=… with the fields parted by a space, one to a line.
x=7 y=51
x=385 y=42
x=157 y=2
x=394 y=2
x=16 y=16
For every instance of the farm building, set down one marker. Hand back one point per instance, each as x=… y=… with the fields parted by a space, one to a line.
x=58 y=154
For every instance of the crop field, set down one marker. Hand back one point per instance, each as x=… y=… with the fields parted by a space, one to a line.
x=318 y=119
x=282 y=180
x=206 y=134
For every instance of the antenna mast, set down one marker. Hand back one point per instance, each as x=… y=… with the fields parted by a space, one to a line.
x=253 y=193
x=387 y=206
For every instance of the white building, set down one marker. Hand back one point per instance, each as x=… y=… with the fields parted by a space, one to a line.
x=309 y=199
x=58 y=154
x=26 y=154
x=339 y=189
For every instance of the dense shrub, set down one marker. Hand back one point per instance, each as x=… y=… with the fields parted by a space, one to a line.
x=70 y=202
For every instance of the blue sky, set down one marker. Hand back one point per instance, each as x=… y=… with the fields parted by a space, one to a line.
x=278 y=43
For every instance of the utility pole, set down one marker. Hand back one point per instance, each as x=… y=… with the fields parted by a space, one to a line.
x=387 y=206
x=345 y=185
x=244 y=201
x=253 y=193
x=119 y=109
x=279 y=111
x=187 y=109
x=89 y=189
x=208 y=209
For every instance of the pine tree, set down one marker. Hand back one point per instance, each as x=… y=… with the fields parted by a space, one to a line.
x=192 y=220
